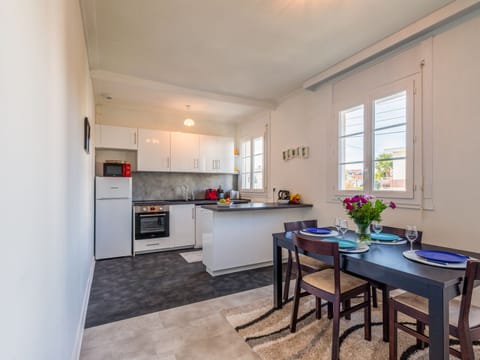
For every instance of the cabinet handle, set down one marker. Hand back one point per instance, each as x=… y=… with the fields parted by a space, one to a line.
x=152 y=244
x=135 y=138
x=168 y=162
x=218 y=164
x=193 y=213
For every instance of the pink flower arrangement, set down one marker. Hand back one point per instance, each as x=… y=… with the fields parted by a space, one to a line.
x=364 y=209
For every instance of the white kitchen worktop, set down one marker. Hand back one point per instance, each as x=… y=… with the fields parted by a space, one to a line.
x=236 y=240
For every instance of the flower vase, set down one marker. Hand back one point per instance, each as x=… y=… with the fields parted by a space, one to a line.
x=363 y=232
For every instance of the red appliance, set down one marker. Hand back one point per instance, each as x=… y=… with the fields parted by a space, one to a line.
x=117 y=169
x=211 y=194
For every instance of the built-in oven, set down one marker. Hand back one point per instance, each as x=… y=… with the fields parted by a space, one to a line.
x=151 y=221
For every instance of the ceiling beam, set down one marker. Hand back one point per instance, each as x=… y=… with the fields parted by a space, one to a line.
x=173 y=89
x=448 y=13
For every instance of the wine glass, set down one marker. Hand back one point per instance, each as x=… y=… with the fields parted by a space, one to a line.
x=338 y=221
x=411 y=234
x=377 y=227
x=343 y=227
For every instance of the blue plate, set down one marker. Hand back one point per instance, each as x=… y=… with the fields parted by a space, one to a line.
x=442 y=256
x=384 y=237
x=343 y=244
x=312 y=230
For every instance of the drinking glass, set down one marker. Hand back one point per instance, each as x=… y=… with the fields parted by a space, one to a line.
x=377 y=227
x=343 y=227
x=338 y=221
x=411 y=234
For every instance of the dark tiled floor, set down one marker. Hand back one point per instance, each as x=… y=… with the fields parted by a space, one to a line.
x=133 y=286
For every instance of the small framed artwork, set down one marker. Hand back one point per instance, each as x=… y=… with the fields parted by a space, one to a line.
x=290 y=154
x=305 y=152
x=285 y=155
x=86 y=135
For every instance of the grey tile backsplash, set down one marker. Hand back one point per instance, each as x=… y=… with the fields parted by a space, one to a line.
x=167 y=186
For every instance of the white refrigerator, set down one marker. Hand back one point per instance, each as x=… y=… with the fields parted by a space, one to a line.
x=113 y=217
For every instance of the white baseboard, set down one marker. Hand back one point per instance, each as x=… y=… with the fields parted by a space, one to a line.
x=81 y=325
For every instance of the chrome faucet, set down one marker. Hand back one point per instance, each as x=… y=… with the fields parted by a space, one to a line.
x=184 y=191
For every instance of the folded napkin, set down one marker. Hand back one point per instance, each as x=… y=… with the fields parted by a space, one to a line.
x=385 y=237
x=343 y=244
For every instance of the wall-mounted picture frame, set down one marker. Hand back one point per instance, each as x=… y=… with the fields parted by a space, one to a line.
x=305 y=152
x=86 y=135
x=285 y=155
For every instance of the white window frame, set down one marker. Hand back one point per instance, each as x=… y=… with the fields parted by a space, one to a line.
x=251 y=169
x=411 y=196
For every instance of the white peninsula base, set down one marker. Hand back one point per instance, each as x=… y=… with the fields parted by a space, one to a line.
x=240 y=240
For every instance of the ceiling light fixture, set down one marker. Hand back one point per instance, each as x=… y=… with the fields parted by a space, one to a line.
x=188 y=122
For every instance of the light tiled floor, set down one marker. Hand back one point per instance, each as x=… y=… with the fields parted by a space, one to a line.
x=195 y=331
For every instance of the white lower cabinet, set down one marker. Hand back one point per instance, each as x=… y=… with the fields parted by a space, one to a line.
x=182 y=225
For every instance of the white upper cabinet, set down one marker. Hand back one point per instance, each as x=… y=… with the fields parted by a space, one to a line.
x=185 y=152
x=216 y=154
x=153 y=150
x=226 y=158
x=115 y=137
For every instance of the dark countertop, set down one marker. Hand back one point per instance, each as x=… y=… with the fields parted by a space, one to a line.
x=180 y=202
x=255 y=206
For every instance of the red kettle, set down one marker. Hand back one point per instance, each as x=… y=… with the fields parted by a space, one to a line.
x=211 y=194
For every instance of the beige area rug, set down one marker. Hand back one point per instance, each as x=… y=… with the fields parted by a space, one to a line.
x=267 y=332
x=192 y=256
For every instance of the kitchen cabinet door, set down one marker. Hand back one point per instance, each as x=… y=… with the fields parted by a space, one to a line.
x=185 y=152
x=208 y=153
x=216 y=154
x=153 y=150
x=226 y=158
x=115 y=137
x=182 y=225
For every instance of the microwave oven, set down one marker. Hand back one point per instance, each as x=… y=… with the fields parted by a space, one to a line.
x=117 y=169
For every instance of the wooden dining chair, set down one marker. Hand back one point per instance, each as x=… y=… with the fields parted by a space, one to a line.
x=464 y=317
x=384 y=288
x=309 y=264
x=332 y=285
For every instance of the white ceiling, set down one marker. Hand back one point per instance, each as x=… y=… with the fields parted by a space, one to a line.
x=229 y=58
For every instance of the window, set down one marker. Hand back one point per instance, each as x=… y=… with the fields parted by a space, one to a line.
x=375 y=142
x=252 y=164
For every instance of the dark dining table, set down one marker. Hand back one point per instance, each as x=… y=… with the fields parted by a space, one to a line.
x=386 y=264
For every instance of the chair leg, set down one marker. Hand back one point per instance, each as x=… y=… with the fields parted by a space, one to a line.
x=336 y=331
x=346 y=305
x=421 y=330
x=330 y=311
x=296 y=300
x=385 y=316
x=318 y=308
x=288 y=275
x=392 y=331
x=367 y=314
x=374 y=297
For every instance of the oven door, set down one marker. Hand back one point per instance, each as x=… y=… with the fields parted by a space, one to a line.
x=152 y=225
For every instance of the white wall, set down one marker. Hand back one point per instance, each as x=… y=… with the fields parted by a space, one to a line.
x=303 y=119
x=163 y=120
x=46 y=217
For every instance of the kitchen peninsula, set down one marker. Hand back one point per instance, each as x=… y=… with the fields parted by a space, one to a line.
x=239 y=237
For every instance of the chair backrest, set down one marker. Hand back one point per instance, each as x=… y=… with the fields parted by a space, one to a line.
x=472 y=273
x=320 y=247
x=299 y=225
x=400 y=232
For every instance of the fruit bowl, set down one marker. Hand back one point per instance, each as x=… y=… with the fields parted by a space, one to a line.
x=223 y=204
